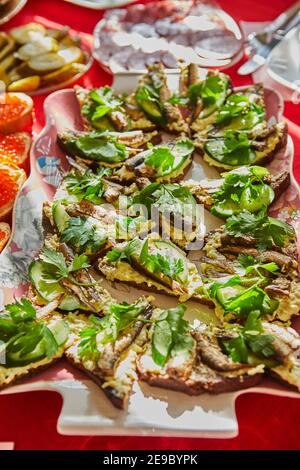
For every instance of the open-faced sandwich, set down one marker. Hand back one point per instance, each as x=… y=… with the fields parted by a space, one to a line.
x=126 y=212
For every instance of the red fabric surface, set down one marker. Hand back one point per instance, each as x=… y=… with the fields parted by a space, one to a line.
x=265 y=422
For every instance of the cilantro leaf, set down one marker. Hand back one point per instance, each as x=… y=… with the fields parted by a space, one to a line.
x=238 y=105
x=103 y=103
x=26 y=339
x=178 y=100
x=126 y=253
x=212 y=90
x=21 y=310
x=166 y=159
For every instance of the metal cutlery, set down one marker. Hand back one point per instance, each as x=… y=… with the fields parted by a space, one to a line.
x=262 y=52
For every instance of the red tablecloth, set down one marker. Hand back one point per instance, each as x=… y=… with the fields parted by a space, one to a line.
x=265 y=422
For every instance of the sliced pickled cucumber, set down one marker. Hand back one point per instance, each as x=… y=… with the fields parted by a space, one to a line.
x=7 y=47
x=71 y=54
x=46 y=62
x=36 y=48
x=7 y=63
x=25 y=84
x=58 y=34
x=63 y=75
x=28 y=33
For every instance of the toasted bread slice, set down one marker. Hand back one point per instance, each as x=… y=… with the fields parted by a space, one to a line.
x=204 y=369
x=11 y=375
x=114 y=368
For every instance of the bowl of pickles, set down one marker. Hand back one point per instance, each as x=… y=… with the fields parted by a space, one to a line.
x=37 y=59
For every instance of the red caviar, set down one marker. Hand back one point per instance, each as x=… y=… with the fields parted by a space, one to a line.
x=11 y=148
x=8 y=187
x=11 y=107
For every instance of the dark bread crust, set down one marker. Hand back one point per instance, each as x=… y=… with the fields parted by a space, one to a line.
x=30 y=373
x=214 y=384
x=281 y=144
x=154 y=290
x=118 y=402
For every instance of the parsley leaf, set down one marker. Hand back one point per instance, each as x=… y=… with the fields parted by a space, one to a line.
x=166 y=159
x=27 y=339
x=157 y=263
x=125 y=253
x=97 y=146
x=108 y=328
x=84 y=235
x=171 y=335
x=266 y=230
x=21 y=311
x=54 y=267
x=243 y=188
x=89 y=186
x=238 y=105
x=241 y=301
x=103 y=102
x=167 y=198
x=178 y=100
x=251 y=339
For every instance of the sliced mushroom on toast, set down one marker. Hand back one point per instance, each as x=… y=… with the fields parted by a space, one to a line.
x=156 y=265
x=106 y=349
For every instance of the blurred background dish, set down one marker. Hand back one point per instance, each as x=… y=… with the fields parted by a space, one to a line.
x=40 y=57
x=284 y=61
x=100 y=4
x=9 y=8
x=168 y=31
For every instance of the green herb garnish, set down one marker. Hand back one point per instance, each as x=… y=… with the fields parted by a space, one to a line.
x=103 y=102
x=55 y=268
x=171 y=335
x=25 y=338
x=251 y=340
x=108 y=328
x=242 y=189
x=89 y=186
x=266 y=230
x=240 y=107
x=84 y=235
